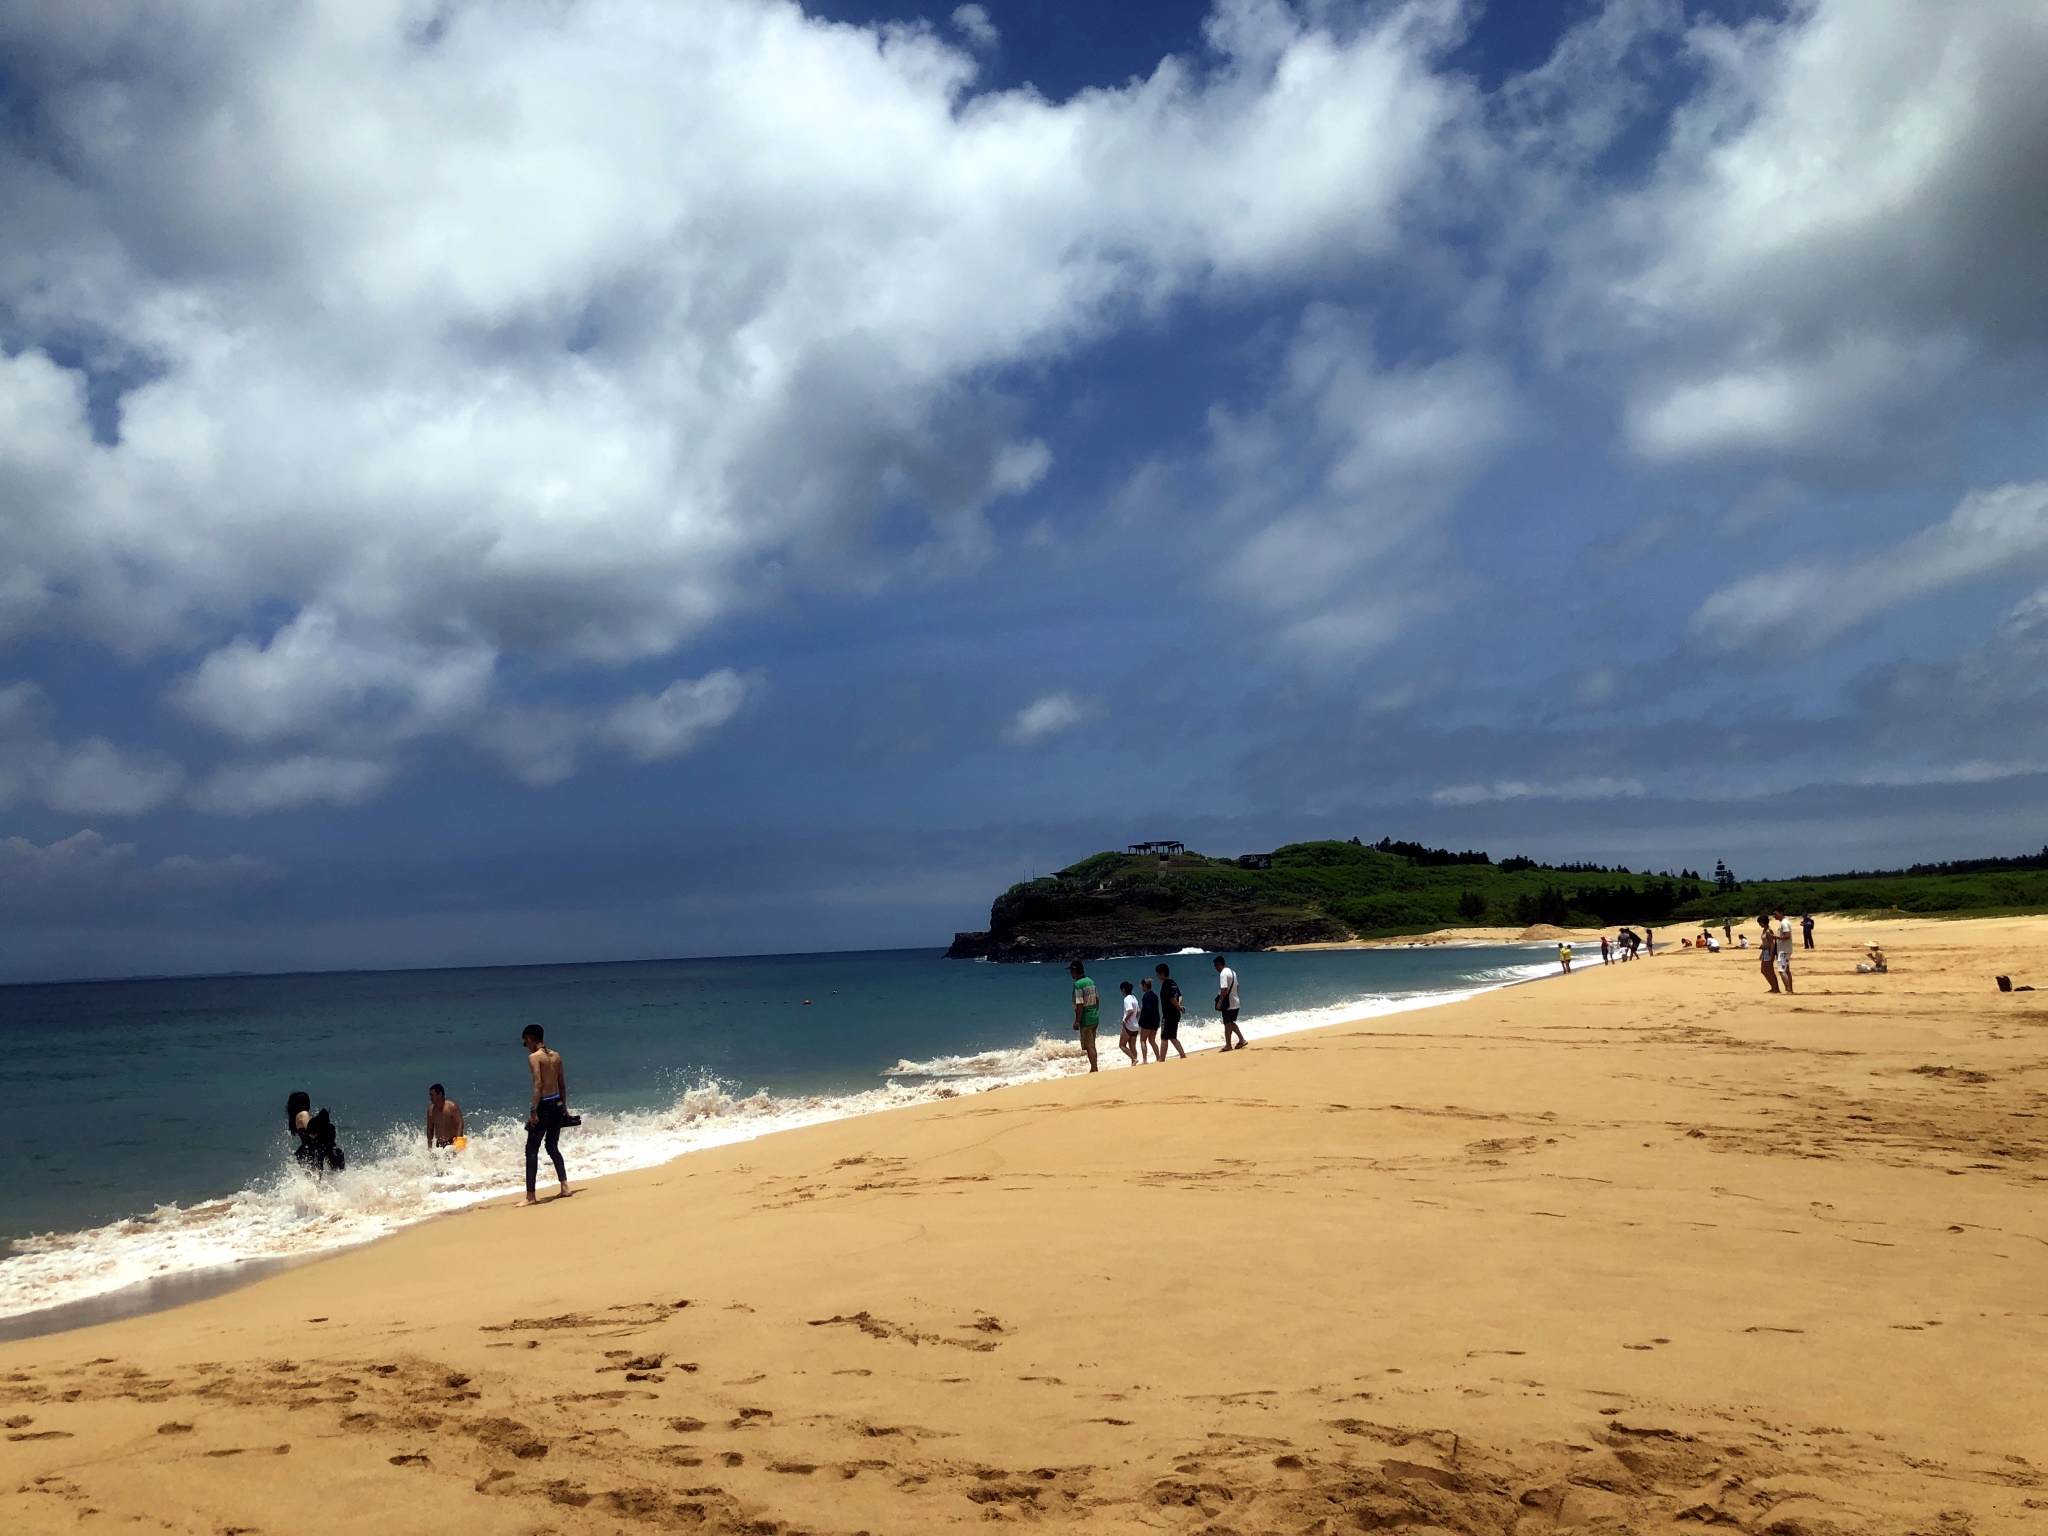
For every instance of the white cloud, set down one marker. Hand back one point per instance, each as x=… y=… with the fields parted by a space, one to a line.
x=95 y=777
x=1332 y=485
x=651 y=728
x=1045 y=717
x=91 y=777
x=1593 y=788
x=1847 y=210
x=85 y=867
x=972 y=22
x=313 y=682
x=1802 y=608
x=564 y=330
x=290 y=783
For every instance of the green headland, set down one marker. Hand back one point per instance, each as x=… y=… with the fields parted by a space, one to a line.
x=1157 y=898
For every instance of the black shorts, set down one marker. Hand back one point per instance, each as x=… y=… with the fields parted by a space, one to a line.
x=1230 y=1015
x=1169 y=1029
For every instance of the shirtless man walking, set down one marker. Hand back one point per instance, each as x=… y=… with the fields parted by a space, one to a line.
x=550 y=1105
x=444 y=1118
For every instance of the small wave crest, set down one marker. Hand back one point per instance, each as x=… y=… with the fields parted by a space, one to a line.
x=395 y=1180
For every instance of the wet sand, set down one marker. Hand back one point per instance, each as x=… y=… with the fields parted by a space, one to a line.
x=1646 y=1249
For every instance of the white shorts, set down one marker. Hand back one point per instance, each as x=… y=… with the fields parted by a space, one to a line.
x=1784 y=961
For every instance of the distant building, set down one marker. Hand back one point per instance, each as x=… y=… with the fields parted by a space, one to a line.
x=1163 y=849
x=1255 y=861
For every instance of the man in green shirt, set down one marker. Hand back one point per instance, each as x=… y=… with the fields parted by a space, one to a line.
x=1087 y=1012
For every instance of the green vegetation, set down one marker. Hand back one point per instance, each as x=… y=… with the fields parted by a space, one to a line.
x=1129 y=902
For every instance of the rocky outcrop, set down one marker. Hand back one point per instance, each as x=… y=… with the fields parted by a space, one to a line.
x=1141 y=933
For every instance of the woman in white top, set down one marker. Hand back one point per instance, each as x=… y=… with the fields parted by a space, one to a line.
x=1127 y=1038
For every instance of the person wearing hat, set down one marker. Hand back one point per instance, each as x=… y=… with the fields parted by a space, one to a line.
x=1872 y=963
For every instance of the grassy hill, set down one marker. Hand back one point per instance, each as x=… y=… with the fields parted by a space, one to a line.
x=1125 y=903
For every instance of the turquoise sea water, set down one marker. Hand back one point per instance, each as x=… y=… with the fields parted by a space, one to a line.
x=146 y=1138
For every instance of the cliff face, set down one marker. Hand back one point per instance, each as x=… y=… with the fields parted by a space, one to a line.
x=1118 y=905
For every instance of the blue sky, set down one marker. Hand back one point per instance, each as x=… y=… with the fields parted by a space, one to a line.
x=490 y=480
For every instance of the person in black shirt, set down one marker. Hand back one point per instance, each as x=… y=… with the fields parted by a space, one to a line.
x=1170 y=1008
x=1148 y=1022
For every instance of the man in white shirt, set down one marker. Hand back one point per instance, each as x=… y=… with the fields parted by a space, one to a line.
x=1781 y=930
x=1227 y=1004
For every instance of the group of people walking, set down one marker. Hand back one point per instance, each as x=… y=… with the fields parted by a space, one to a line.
x=1152 y=1013
x=318 y=1151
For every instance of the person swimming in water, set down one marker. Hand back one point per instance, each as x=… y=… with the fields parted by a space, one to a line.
x=316 y=1149
x=444 y=1118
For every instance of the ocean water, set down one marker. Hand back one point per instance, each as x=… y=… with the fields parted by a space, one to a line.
x=145 y=1137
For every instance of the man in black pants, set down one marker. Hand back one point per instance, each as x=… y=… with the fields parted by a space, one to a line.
x=550 y=1106
x=1170 y=1006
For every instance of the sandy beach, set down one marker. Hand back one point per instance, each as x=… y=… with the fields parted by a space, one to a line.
x=1645 y=1249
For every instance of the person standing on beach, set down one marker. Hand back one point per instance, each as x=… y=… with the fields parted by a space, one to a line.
x=1727 y=932
x=1087 y=1012
x=444 y=1118
x=1564 y=957
x=1171 y=1006
x=1781 y=930
x=1148 y=1022
x=1606 y=951
x=550 y=1109
x=1806 y=928
x=1650 y=940
x=1127 y=1036
x=1227 y=1003
x=1766 y=947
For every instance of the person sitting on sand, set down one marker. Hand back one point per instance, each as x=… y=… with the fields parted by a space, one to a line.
x=1713 y=944
x=1873 y=962
x=444 y=1118
x=1087 y=1012
x=1127 y=1037
x=1171 y=1007
x=550 y=1109
x=1227 y=1003
x=1148 y=1022
x=314 y=1128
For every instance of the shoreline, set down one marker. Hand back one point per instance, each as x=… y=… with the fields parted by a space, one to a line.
x=1642 y=1250
x=958 y=1077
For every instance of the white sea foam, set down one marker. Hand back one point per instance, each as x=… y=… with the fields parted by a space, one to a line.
x=396 y=1181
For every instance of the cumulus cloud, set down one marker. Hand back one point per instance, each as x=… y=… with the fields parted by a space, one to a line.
x=652 y=727
x=310 y=680
x=1847 y=209
x=92 y=777
x=565 y=330
x=86 y=867
x=972 y=22
x=1803 y=608
x=290 y=784
x=1050 y=715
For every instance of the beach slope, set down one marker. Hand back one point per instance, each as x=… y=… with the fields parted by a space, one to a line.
x=1645 y=1249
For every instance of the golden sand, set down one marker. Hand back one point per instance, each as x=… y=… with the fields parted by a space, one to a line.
x=1642 y=1250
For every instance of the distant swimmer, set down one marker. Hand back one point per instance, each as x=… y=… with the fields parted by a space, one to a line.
x=550 y=1109
x=1227 y=1003
x=1171 y=1006
x=314 y=1128
x=1127 y=1037
x=1087 y=1011
x=444 y=1118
